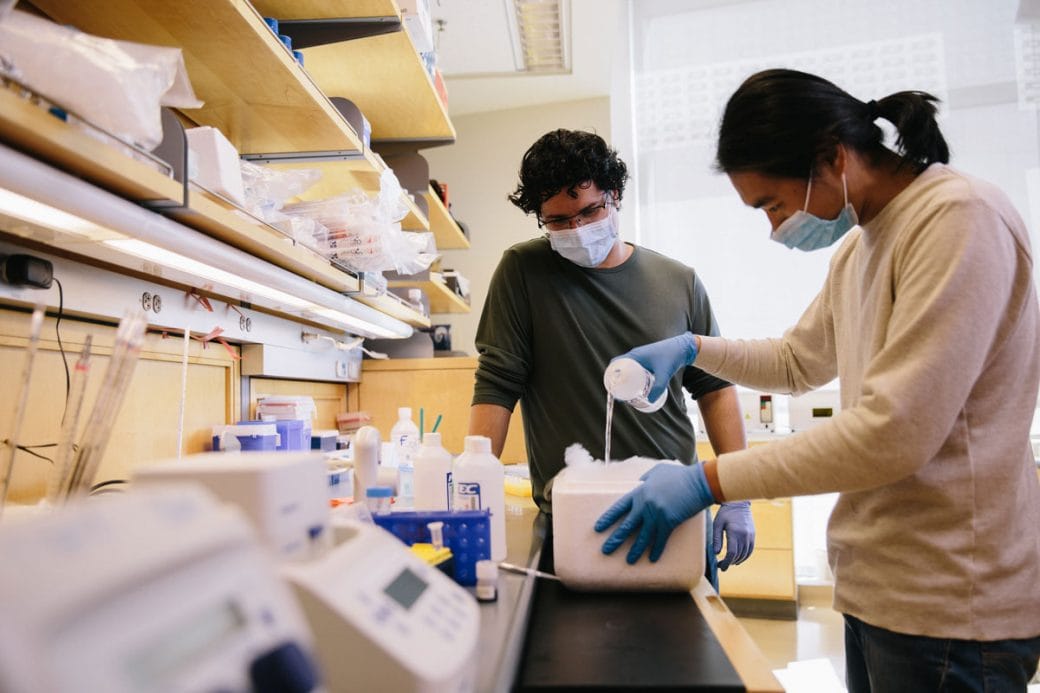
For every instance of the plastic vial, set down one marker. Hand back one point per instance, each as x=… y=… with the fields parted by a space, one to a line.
x=404 y=437
x=629 y=382
x=487 y=581
x=378 y=498
x=479 y=482
x=436 y=534
x=432 y=476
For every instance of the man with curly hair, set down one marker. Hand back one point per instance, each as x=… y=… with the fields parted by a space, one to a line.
x=562 y=305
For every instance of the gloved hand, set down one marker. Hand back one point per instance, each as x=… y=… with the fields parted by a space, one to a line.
x=735 y=520
x=669 y=495
x=664 y=359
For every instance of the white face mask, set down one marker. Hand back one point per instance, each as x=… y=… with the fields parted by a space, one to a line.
x=588 y=245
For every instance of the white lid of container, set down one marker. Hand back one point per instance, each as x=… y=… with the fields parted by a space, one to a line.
x=478 y=444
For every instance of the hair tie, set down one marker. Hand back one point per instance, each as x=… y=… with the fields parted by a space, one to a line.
x=873 y=112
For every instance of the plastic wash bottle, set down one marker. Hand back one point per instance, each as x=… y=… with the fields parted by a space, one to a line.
x=480 y=483
x=433 y=476
x=404 y=438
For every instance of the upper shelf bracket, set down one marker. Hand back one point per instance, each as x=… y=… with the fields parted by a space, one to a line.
x=306 y=33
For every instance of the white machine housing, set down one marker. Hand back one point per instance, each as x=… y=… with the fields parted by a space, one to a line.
x=153 y=590
x=285 y=494
x=580 y=494
x=813 y=408
x=385 y=620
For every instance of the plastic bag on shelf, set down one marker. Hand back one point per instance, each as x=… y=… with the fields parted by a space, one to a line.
x=267 y=189
x=119 y=86
x=365 y=233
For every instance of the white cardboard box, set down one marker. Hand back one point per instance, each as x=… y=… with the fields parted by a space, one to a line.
x=216 y=165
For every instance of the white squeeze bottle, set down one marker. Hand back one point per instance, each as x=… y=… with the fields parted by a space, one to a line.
x=404 y=438
x=629 y=382
x=479 y=482
x=367 y=444
x=433 y=477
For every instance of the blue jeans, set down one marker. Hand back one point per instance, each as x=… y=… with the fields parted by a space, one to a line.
x=883 y=661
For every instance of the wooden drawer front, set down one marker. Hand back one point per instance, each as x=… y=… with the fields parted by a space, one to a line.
x=773 y=527
x=768 y=574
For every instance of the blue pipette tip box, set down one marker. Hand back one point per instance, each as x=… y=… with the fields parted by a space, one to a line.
x=466 y=532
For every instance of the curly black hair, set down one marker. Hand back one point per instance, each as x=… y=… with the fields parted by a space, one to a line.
x=563 y=160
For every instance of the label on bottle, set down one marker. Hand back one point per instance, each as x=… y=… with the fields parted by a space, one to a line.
x=467 y=496
x=450 y=490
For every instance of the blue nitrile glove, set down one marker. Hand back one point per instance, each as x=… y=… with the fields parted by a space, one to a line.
x=735 y=520
x=664 y=359
x=669 y=495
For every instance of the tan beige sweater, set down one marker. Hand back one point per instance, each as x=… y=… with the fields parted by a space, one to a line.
x=929 y=317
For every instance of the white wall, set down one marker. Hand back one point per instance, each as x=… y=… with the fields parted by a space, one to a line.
x=481 y=169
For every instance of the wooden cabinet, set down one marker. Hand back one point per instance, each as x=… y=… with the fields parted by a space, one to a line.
x=441 y=386
x=764 y=584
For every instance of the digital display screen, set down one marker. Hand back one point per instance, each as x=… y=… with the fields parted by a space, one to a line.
x=178 y=648
x=406 y=588
x=822 y=412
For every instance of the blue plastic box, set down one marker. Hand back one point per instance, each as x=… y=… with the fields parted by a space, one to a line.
x=466 y=532
x=263 y=439
x=294 y=434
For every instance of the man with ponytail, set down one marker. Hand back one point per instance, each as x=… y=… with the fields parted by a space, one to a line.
x=929 y=317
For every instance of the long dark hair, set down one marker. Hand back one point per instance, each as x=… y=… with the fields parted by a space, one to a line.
x=781 y=122
x=563 y=160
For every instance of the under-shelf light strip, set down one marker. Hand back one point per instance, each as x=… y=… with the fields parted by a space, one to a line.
x=32 y=191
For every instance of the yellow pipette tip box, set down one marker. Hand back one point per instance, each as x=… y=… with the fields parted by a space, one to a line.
x=439 y=558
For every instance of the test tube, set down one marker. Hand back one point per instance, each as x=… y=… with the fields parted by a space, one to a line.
x=35 y=325
x=436 y=534
x=58 y=483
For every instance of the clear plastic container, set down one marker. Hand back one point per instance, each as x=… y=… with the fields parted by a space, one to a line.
x=629 y=382
x=378 y=499
x=479 y=483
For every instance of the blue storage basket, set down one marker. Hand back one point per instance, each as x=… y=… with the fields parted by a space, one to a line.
x=466 y=532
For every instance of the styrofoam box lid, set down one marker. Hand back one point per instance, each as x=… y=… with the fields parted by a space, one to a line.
x=245 y=430
x=580 y=494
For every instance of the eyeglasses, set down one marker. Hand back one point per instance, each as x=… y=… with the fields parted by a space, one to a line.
x=590 y=214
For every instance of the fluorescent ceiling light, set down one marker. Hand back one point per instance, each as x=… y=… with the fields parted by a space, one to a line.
x=541 y=34
x=34 y=212
x=355 y=322
x=164 y=257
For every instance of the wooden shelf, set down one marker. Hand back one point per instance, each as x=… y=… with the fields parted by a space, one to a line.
x=396 y=309
x=361 y=70
x=254 y=90
x=29 y=128
x=442 y=299
x=445 y=230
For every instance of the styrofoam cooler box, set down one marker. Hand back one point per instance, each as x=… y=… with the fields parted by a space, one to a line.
x=250 y=437
x=580 y=494
x=216 y=164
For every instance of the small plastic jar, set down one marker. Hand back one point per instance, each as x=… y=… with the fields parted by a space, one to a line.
x=378 y=499
x=487 y=581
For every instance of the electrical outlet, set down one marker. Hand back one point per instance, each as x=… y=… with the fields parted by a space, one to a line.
x=341 y=369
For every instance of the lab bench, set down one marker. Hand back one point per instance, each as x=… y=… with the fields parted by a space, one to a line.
x=538 y=635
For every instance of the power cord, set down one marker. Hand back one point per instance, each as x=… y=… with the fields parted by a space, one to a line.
x=61 y=347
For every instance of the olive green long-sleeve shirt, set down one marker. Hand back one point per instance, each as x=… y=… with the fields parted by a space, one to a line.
x=548 y=330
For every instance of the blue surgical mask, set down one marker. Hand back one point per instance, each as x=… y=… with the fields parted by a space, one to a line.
x=588 y=245
x=805 y=231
